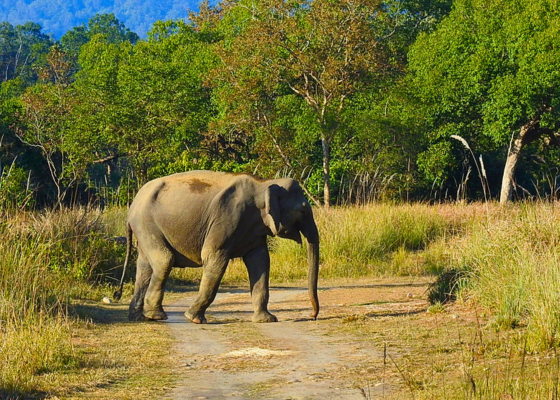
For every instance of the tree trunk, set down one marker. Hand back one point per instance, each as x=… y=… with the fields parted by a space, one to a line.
x=326 y=171
x=509 y=170
x=528 y=133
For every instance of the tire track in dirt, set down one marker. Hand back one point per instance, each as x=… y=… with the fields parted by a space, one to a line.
x=233 y=358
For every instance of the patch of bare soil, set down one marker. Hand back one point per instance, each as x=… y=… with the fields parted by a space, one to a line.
x=296 y=358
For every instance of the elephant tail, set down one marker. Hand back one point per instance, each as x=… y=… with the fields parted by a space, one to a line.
x=118 y=294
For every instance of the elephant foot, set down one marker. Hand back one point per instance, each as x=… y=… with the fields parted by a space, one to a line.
x=155 y=315
x=197 y=319
x=136 y=316
x=264 y=316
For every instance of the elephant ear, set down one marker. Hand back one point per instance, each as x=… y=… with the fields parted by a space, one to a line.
x=272 y=208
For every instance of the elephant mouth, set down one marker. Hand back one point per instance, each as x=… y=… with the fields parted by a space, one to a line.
x=292 y=234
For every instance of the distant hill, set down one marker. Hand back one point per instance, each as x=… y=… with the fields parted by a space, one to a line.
x=59 y=16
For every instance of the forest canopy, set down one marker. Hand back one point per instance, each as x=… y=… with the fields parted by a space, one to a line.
x=359 y=100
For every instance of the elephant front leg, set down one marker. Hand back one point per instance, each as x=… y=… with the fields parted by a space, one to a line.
x=258 y=266
x=212 y=273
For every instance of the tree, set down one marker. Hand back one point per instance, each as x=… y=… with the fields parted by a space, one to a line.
x=320 y=51
x=21 y=49
x=489 y=73
x=144 y=101
x=107 y=25
x=43 y=123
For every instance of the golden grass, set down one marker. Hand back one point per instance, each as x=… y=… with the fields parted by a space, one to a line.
x=47 y=258
x=32 y=348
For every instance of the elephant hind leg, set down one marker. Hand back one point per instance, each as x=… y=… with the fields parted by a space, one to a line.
x=161 y=260
x=143 y=276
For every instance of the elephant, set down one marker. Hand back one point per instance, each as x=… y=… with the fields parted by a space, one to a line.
x=205 y=219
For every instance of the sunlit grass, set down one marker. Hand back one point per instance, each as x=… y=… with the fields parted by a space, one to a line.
x=34 y=334
x=513 y=264
x=374 y=240
x=47 y=259
x=371 y=240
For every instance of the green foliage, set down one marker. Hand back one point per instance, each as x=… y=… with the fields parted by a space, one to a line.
x=319 y=53
x=488 y=69
x=145 y=102
x=15 y=193
x=361 y=95
x=43 y=122
x=221 y=93
x=22 y=48
x=105 y=25
x=436 y=163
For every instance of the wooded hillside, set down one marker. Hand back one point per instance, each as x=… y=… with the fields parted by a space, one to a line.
x=58 y=16
x=358 y=99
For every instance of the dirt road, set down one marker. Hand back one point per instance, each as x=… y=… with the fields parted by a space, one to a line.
x=296 y=358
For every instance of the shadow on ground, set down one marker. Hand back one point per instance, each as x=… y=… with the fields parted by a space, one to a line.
x=101 y=313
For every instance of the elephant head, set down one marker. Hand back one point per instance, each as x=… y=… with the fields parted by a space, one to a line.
x=288 y=215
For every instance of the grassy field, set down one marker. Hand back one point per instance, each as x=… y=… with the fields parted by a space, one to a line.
x=57 y=266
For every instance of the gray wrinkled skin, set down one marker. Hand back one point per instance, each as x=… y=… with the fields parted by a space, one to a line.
x=204 y=219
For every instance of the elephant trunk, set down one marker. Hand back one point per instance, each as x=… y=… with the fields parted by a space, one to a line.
x=313 y=256
x=312 y=235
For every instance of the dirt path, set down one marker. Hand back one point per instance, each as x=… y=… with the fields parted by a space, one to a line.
x=296 y=358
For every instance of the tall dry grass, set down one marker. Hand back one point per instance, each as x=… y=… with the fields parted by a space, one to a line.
x=34 y=332
x=47 y=258
x=512 y=262
x=366 y=241
x=510 y=257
